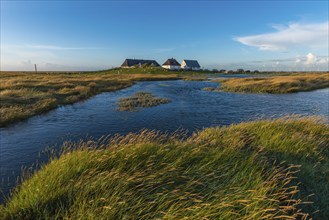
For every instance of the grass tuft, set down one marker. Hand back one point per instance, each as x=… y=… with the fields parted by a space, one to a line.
x=209 y=89
x=140 y=100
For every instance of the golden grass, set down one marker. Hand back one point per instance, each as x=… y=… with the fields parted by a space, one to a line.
x=24 y=94
x=256 y=170
x=276 y=84
x=140 y=100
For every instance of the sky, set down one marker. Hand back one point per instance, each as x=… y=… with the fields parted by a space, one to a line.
x=94 y=35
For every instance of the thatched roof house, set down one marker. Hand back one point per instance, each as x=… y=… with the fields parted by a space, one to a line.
x=128 y=63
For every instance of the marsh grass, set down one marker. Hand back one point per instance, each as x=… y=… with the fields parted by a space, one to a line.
x=276 y=84
x=140 y=100
x=24 y=94
x=255 y=170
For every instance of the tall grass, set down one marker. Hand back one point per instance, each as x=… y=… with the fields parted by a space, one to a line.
x=276 y=84
x=254 y=170
x=23 y=94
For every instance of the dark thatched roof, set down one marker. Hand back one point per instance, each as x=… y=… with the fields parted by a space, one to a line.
x=171 y=62
x=133 y=62
x=192 y=63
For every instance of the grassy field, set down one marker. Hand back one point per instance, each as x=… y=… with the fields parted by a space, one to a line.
x=140 y=100
x=255 y=170
x=276 y=84
x=24 y=94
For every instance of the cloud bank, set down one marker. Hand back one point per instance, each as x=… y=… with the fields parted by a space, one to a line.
x=307 y=62
x=314 y=35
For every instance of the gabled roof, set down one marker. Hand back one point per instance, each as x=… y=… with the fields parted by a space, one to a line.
x=171 y=62
x=132 y=62
x=192 y=63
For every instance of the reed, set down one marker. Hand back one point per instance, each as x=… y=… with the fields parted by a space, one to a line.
x=265 y=169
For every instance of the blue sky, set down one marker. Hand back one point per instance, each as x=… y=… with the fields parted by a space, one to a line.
x=92 y=35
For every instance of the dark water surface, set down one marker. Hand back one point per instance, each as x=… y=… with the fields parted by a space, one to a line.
x=191 y=108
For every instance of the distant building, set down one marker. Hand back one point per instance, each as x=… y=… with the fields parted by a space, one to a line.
x=128 y=63
x=171 y=64
x=190 y=65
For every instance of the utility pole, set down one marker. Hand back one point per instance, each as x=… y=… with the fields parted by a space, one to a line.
x=35 y=67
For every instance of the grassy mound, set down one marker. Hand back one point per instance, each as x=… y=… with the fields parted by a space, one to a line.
x=140 y=100
x=235 y=172
x=276 y=84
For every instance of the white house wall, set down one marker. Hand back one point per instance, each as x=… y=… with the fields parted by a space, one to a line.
x=171 y=67
x=189 y=68
x=183 y=65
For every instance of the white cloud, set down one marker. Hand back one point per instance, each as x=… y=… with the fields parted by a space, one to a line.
x=311 y=58
x=311 y=62
x=323 y=61
x=314 y=35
